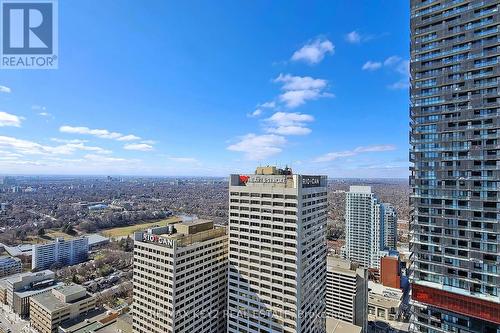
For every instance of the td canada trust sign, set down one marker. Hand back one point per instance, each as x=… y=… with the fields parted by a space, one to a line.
x=150 y=238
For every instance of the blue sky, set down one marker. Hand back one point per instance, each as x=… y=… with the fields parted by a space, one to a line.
x=190 y=88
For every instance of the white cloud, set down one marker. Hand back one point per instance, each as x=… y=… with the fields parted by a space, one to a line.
x=41 y=110
x=328 y=157
x=353 y=37
x=300 y=82
x=138 y=146
x=314 y=52
x=401 y=84
x=8 y=119
x=103 y=159
x=100 y=133
x=255 y=114
x=268 y=105
x=285 y=123
x=6 y=90
x=26 y=147
x=258 y=147
x=371 y=65
x=403 y=68
x=392 y=60
x=68 y=141
x=290 y=130
x=299 y=89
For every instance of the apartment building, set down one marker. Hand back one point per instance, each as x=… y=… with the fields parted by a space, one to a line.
x=364 y=216
x=346 y=291
x=61 y=251
x=180 y=278
x=455 y=171
x=10 y=265
x=277 y=252
x=49 y=310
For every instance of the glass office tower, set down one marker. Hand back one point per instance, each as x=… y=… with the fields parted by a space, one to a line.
x=455 y=165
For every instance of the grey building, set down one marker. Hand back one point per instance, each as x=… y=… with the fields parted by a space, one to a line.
x=61 y=251
x=9 y=266
x=454 y=142
x=390 y=227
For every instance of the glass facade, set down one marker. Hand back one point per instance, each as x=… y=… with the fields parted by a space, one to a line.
x=454 y=152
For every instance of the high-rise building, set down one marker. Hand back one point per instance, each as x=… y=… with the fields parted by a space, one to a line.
x=346 y=291
x=364 y=217
x=390 y=227
x=180 y=278
x=277 y=252
x=61 y=251
x=455 y=172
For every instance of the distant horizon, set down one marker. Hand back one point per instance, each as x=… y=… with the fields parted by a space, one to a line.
x=176 y=176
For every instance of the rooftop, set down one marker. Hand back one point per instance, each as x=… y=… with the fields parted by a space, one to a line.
x=360 y=189
x=338 y=326
x=51 y=302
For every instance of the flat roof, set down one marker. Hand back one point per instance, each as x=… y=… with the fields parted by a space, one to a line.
x=338 y=326
x=52 y=303
x=31 y=292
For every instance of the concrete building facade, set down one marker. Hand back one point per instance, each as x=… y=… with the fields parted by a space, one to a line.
x=180 y=278
x=346 y=292
x=50 y=309
x=61 y=251
x=277 y=252
x=16 y=290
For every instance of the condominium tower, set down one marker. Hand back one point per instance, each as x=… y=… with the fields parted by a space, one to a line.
x=277 y=252
x=364 y=227
x=455 y=172
x=180 y=278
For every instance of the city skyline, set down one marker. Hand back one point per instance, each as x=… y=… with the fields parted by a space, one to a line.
x=251 y=93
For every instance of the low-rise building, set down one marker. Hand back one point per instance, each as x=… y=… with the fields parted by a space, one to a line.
x=16 y=290
x=61 y=251
x=386 y=305
x=62 y=303
x=9 y=266
x=334 y=325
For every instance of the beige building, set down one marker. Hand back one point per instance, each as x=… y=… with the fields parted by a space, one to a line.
x=346 y=291
x=334 y=325
x=180 y=278
x=277 y=252
x=65 y=302
x=17 y=290
x=385 y=308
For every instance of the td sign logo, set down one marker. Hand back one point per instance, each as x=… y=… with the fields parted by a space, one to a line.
x=29 y=34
